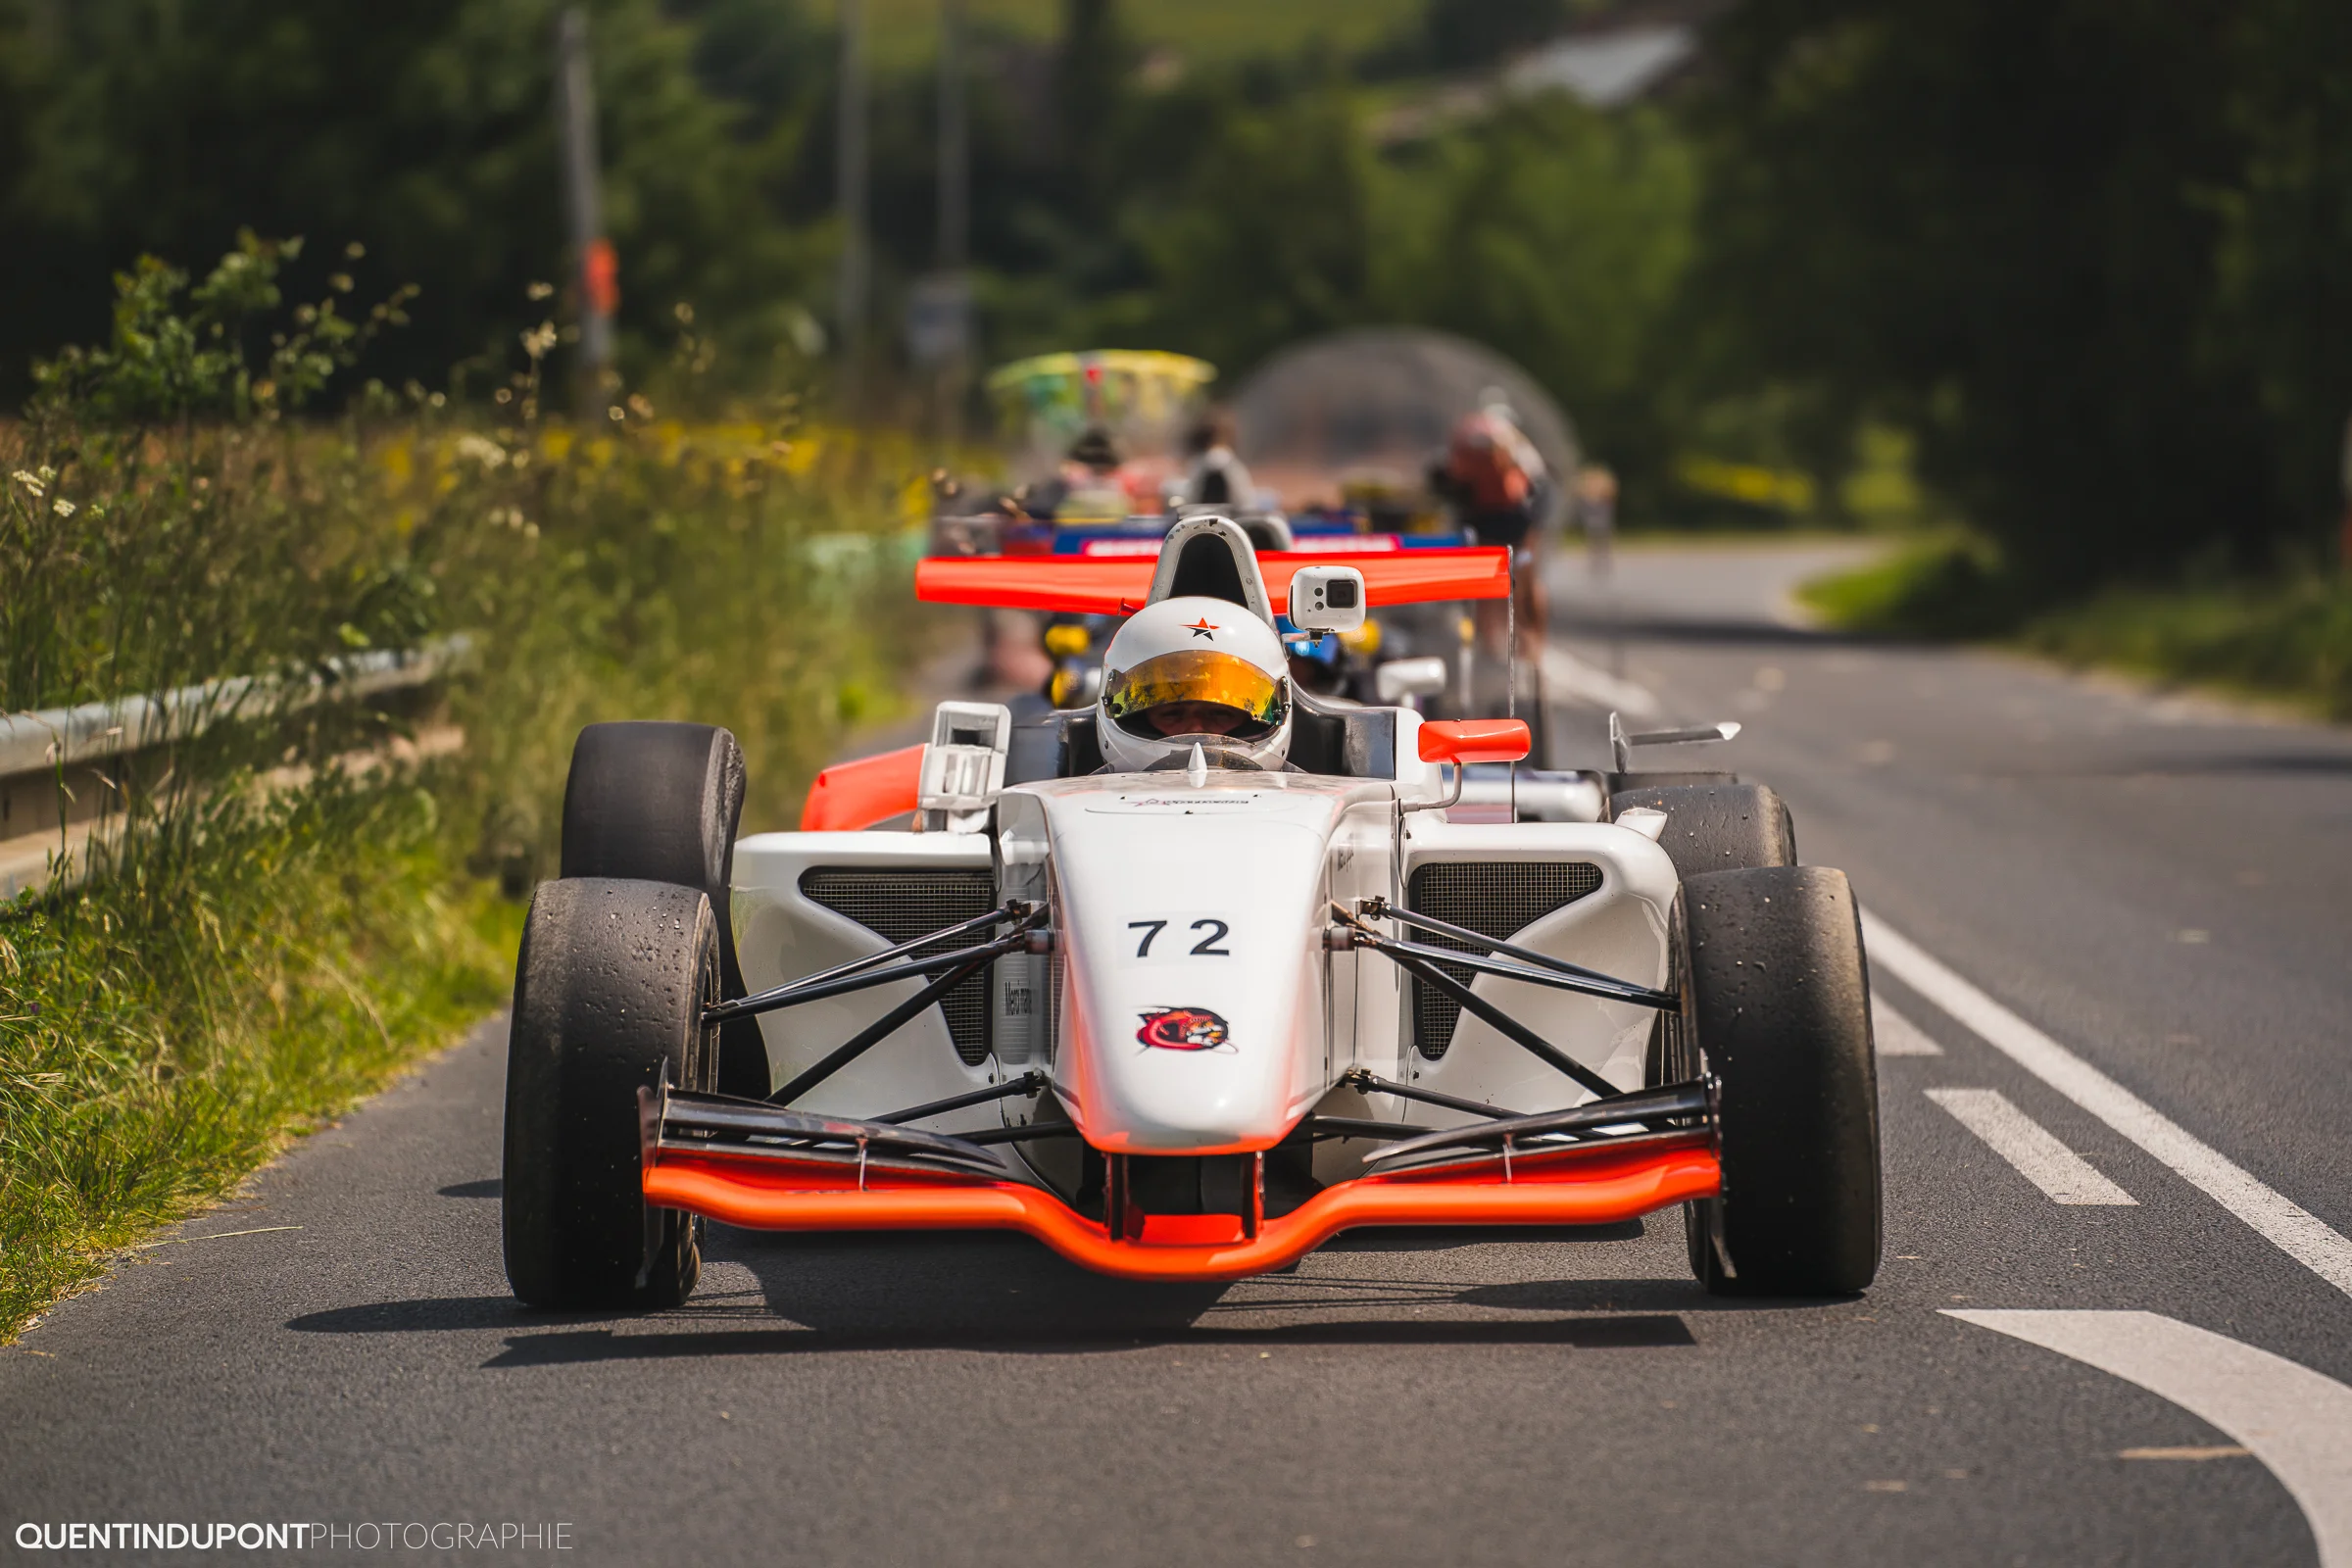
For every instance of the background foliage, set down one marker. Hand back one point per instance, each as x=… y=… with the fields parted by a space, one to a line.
x=298 y=900
x=2077 y=266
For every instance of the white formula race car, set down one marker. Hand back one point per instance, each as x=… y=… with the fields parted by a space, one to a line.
x=1187 y=1012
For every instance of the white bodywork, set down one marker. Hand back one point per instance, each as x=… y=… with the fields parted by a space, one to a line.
x=1212 y=896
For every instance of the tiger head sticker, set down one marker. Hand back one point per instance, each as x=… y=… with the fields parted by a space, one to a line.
x=1184 y=1029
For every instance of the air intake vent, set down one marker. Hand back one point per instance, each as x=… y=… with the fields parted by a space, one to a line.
x=901 y=905
x=1493 y=898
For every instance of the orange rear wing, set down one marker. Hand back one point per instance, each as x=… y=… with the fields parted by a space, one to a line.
x=1120 y=586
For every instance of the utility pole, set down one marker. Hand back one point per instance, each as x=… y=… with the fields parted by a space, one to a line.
x=596 y=270
x=955 y=142
x=850 y=295
x=939 y=313
x=955 y=219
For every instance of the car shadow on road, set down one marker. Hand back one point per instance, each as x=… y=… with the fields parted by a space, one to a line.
x=606 y=1344
x=1005 y=1294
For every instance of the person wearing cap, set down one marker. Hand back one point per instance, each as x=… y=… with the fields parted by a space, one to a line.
x=1088 y=485
x=1498 y=485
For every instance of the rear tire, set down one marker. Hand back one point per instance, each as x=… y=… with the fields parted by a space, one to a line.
x=609 y=993
x=657 y=802
x=1717 y=827
x=1780 y=1001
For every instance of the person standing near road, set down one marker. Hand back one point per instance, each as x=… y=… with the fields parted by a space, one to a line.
x=1087 y=488
x=1498 y=486
x=1214 y=474
x=1597 y=514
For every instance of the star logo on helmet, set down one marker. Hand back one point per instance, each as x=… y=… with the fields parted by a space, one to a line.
x=1201 y=628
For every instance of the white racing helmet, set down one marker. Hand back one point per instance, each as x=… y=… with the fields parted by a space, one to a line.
x=1192 y=671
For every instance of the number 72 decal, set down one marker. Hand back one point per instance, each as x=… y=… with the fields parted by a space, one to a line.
x=1180 y=937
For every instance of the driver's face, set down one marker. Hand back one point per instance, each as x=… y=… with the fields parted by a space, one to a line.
x=1195 y=719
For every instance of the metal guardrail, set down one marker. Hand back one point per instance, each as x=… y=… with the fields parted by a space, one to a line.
x=52 y=759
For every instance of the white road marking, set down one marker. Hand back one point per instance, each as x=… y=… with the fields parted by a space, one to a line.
x=1899 y=1036
x=1567 y=677
x=2026 y=1144
x=2296 y=1421
x=2295 y=1231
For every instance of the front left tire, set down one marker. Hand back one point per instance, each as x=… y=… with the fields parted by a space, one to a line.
x=609 y=997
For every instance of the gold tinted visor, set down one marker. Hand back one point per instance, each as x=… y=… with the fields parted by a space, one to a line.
x=1194 y=675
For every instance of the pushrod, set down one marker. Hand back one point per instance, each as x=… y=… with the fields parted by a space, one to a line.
x=1495 y=1017
x=1359 y=1078
x=1600 y=986
x=1028 y=1083
x=864 y=1039
x=1386 y=911
x=1358 y=1127
x=816 y=990
x=1010 y=910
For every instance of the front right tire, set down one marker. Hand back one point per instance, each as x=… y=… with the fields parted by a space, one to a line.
x=1780 y=1002
x=1716 y=826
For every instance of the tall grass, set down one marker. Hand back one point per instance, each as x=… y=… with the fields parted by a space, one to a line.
x=301 y=899
x=2286 y=636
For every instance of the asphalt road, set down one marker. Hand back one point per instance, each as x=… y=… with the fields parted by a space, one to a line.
x=2119 y=920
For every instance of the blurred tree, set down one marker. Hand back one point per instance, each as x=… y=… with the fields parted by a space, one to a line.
x=1562 y=237
x=2286 y=239
x=1093 y=70
x=421 y=130
x=1460 y=33
x=1270 y=236
x=2073 y=243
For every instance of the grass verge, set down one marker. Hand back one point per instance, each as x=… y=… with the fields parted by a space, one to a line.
x=159 y=1047
x=297 y=905
x=2284 y=638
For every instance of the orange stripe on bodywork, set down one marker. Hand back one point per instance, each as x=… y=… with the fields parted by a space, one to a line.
x=1118 y=586
x=848 y=796
x=1599 y=1188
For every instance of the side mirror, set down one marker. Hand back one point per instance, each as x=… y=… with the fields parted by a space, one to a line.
x=1327 y=599
x=1462 y=740
x=1621 y=745
x=1400 y=678
x=963 y=766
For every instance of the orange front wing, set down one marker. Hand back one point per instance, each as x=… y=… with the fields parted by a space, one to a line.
x=1591 y=1184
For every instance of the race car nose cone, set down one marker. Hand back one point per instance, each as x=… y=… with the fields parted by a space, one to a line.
x=1195 y=771
x=1192 y=951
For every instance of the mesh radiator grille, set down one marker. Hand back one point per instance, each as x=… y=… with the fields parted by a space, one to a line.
x=1493 y=898
x=901 y=905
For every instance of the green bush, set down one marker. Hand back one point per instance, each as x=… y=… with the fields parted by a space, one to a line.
x=2285 y=636
x=2290 y=637
x=1944 y=585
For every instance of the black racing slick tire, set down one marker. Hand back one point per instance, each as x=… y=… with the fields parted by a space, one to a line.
x=1717 y=827
x=658 y=802
x=1780 y=1005
x=1626 y=783
x=609 y=995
